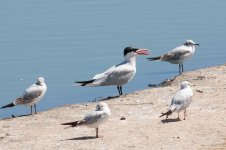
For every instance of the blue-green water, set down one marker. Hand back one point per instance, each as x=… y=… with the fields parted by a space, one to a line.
x=66 y=41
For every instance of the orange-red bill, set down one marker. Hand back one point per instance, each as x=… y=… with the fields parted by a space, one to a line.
x=142 y=52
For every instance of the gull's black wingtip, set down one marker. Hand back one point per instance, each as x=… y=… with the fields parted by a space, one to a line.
x=154 y=58
x=84 y=83
x=9 y=105
x=169 y=112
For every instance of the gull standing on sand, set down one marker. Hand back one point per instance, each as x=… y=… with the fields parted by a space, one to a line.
x=94 y=118
x=181 y=100
x=31 y=95
x=178 y=55
x=117 y=75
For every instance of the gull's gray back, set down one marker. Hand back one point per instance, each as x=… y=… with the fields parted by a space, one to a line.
x=181 y=100
x=94 y=118
x=31 y=95
x=179 y=54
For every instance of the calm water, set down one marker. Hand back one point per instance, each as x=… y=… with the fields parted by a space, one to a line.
x=69 y=40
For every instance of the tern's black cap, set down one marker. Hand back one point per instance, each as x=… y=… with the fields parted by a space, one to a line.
x=129 y=49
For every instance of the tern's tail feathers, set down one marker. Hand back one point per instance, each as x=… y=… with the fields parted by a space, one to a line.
x=84 y=83
x=169 y=112
x=9 y=105
x=154 y=58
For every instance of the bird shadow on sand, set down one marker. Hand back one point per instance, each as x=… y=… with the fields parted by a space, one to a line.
x=81 y=138
x=13 y=116
x=99 y=99
x=170 y=120
x=166 y=82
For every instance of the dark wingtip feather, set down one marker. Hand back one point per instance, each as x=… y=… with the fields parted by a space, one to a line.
x=154 y=58
x=9 y=105
x=167 y=113
x=72 y=124
x=84 y=83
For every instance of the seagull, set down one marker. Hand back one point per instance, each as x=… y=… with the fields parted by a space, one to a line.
x=94 y=118
x=31 y=95
x=178 y=55
x=181 y=100
x=117 y=75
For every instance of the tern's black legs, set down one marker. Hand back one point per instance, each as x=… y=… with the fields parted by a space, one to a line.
x=119 y=90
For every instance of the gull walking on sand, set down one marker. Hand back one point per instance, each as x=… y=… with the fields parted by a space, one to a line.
x=31 y=95
x=94 y=118
x=117 y=75
x=178 y=55
x=181 y=100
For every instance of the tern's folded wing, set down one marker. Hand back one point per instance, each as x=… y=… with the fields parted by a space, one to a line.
x=115 y=74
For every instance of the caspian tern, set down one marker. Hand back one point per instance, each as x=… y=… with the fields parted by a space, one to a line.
x=181 y=100
x=94 y=118
x=178 y=55
x=117 y=75
x=31 y=95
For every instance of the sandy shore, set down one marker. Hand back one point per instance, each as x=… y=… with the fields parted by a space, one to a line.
x=204 y=127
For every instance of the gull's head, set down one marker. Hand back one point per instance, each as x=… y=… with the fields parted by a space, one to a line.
x=190 y=43
x=131 y=52
x=102 y=106
x=40 y=80
x=185 y=84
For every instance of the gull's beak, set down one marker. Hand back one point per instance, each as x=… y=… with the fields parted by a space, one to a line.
x=142 y=51
x=196 y=44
